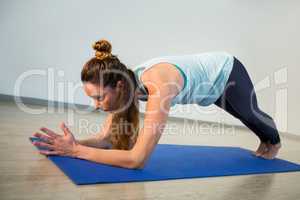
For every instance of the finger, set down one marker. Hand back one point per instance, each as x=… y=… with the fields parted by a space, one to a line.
x=45 y=138
x=47 y=153
x=43 y=144
x=49 y=132
x=65 y=129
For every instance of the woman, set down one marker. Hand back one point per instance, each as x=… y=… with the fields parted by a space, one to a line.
x=203 y=79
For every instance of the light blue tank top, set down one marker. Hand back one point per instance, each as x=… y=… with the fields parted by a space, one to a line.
x=205 y=75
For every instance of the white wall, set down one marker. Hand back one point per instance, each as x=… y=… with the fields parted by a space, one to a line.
x=58 y=34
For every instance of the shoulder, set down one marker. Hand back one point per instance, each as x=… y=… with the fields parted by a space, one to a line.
x=157 y=71
x=161 y=77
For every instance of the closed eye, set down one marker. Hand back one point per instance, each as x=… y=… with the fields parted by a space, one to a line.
x=98 y=98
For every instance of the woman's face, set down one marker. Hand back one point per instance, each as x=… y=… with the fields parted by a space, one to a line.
x=105 y=98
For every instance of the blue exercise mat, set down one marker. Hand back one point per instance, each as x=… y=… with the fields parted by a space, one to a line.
x=169 y=161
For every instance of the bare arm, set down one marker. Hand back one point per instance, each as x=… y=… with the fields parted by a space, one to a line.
x=157 y=110
x=147 y=139
x=101 y=139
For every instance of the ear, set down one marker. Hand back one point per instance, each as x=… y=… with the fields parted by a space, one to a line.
x=120 y=84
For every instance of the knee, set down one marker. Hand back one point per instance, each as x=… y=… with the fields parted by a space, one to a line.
x=259 y=119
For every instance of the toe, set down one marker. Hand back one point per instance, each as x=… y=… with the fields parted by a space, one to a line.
x=255 y=153
x=261 y=152
x=258 y=153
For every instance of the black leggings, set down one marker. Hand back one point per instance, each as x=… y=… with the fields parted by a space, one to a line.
x=239 y=99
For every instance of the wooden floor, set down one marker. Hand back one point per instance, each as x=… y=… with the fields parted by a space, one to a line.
x=25 y=174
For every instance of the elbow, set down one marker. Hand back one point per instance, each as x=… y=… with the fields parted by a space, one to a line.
x=136 y=163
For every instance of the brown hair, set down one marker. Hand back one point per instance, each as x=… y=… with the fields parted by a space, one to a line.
x=106 y=69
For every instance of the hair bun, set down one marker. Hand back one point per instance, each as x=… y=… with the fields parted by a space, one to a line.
x=103 y=49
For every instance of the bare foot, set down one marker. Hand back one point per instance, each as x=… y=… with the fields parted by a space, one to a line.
x=272 y=151
x=262 y=148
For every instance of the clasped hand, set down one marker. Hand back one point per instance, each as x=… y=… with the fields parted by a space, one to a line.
x=64 y=145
